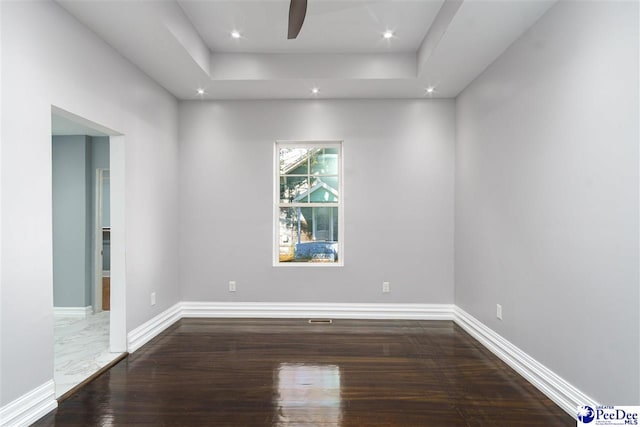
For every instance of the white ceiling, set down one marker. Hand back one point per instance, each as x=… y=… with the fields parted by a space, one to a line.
x=330 y=26
x=186 y=44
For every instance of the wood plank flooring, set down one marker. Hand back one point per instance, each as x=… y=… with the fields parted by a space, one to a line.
x=221 y=372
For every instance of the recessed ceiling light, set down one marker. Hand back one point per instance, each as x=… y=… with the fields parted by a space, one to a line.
x=315 y=91
x=235 y=34
x=200 y=91
x=429 y=90
x=387 y=34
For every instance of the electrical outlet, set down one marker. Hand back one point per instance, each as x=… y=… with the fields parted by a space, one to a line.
x=499 y=311
x=153 y=298
x=232 y=286
x=386 y=287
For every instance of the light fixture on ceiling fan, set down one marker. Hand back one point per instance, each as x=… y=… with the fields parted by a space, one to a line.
x=297 y=13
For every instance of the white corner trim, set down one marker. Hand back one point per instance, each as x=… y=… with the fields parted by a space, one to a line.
x=148 y=330
x=565 y=395
x=79 y=312
x=318 y=310
x=30 y=407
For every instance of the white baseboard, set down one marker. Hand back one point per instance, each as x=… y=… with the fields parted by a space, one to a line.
x=79 y=312
x=29 y=407
x=318 y=310
x=148 y=330
x=565 y=395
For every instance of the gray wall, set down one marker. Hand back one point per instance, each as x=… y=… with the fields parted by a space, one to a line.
x=547 y=196
x=398 y=183
x=88 y=78
x=72 y=219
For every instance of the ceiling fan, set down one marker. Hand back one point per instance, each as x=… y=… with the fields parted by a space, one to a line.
x=297 y=12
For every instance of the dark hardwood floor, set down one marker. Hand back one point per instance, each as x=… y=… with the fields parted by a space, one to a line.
x=214 y=372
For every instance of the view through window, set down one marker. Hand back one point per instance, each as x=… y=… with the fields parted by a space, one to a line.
x=309 y=202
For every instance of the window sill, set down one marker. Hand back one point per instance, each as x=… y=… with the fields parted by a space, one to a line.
x=308 y=264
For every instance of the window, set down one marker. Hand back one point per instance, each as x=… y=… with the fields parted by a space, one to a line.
x=308 y=203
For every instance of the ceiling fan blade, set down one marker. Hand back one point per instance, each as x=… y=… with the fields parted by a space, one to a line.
x=297 y=12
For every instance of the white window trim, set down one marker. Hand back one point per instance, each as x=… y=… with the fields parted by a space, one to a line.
x=276 y=204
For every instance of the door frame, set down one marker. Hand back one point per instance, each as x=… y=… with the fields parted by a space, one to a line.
x=117 y=156
x=117 y=180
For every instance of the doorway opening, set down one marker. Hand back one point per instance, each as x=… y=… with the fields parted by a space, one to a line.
x=88 y=264
x=102 y=242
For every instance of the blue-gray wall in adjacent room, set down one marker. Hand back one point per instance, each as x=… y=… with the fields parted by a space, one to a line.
x=71 y=228
x=75 y=160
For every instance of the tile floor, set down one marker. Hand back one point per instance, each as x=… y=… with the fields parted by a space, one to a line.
x=81 y=348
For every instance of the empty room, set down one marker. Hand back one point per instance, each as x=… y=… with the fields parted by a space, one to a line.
x=319 y=213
